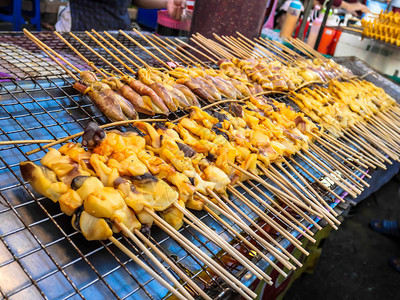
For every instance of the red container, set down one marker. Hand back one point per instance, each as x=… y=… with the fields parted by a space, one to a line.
x=326 y=40
x=335 y=40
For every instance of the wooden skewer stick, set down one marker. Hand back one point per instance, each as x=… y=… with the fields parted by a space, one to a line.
x=185 y=52
x=239 y=52
x=248 y=51
x=274 y=48
x=215 y=47
x=269 y=220
x=76 y=135
x=176 y=52
x=234 y=218
x=283 y=256
x=324 y=165
x=384 y=136
x=96 y=53
x=153 y=45
x=281 y=216
x=388 y=145
x=89 y=63
x=316 y=179
x=342 y=168
x=117 y=50
x=279 y=178
x=2 y=143
x=314 y=205
x=387 y=122
x=146 y=268
x=345 y=188
x=154 y=40
x=378 y=143
x=384 y=127
x=241 y=197
x=207 y=232
x=327 y=168
x=287 y=195
x=145 y=50
x=193 y=39
x=129 y=51
x=110 y=53
x=46 y=49
x=377 y=159
x=231 y=280
x=281 y=209
x=314 y=197
x=146 y=251
x=363 y=162
x=196 y=50
x=351 y=151
x=245 y=241
x=351 y=138
x=173 y=265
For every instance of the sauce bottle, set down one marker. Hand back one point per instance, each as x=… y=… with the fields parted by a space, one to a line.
x=292 y=16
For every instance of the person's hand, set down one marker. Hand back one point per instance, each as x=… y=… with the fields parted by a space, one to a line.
x=353 y=8
x=175 y=8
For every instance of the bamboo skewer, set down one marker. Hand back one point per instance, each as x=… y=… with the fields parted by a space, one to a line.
x=377 y=159
x=359 y=182
x=329 y=169
x=248 y=230
x=204 y=230
x=372 y=161
x=47 y=50
x=89 y=63
x=328 y=175
x=146 y=268
x=283 y=218
x=175 y=268
x=145 y=50
x=270 y=221
x=76 y=135
x=363 y=162
x=96 y=53
x=139 y=244
x=289 y=195
x=217 y=48
x=314 y=205
x=153 y=45
x=314 y=198
x=158 y=42
x=110 y=53
x=129 y=51
x=2 y=143
x=315 y=179
x=186 y=53
x=116 y=49
x=246 y=242
x=236 y=284
x=332 y=172
x=241 y=197
x=349 y=136
x=281 y=209
x=194 y=49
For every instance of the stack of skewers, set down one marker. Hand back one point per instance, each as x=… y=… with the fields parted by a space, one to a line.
x=127 y=181
x=384 y=27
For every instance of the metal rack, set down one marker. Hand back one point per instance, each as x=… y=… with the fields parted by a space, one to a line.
x=41 y=255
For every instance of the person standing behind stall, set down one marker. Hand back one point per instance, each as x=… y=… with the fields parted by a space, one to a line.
x=81 y=15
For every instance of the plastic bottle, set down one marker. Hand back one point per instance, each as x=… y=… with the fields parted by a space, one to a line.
x=315 y=27
x=292 y=16
x=186 y=19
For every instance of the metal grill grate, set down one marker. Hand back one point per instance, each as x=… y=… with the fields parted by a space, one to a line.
x=40 y=253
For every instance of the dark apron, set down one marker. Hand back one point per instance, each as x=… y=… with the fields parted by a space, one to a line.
x=100 y=15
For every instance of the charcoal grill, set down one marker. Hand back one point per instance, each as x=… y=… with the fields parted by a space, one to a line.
x=41 y=255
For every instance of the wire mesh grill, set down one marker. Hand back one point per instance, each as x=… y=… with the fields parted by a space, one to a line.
x=39 y=248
